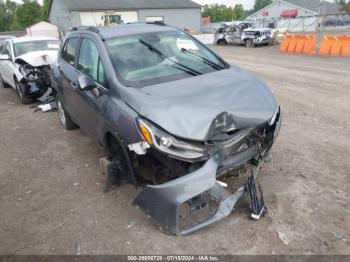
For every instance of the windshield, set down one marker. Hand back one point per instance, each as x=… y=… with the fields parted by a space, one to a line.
x=158 y=57
x=32 y=46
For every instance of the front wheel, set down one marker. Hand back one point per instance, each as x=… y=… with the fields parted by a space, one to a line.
x=249 y=43
x=222 y=42
x=20 y=93
x=65 y=119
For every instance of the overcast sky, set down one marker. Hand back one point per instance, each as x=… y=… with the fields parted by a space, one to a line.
x=248 y=4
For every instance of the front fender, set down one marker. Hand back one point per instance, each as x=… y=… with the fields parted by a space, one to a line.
x=16 y=73
x=122 y=118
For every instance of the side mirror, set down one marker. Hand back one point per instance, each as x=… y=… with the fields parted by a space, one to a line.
x=86 y=83
x=4 y=57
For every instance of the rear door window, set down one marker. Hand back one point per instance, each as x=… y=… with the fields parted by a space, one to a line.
x=70 y=50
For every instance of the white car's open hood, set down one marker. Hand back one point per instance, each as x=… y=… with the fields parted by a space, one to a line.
x=38 y=58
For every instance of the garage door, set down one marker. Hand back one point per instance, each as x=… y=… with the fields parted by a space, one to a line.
x=97 y=18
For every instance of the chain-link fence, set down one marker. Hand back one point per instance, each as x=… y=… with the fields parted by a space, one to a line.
x=300 y=24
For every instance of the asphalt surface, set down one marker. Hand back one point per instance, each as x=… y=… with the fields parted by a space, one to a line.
x=51 y=198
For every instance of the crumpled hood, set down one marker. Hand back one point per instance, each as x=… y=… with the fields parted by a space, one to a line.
x=38 y=58
x=189 y=108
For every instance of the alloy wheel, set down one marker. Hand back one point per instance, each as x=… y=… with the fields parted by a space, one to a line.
x=61 y=113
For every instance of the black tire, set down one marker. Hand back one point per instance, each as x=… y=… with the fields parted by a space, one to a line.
x=2 y=83
x=222 y=42
x=64 y=117
x=22 y=98
x=249 y=43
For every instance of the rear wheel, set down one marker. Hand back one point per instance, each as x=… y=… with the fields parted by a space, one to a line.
x=249 y=43
x=2 y=83
x=20 y=93
x=65 y=119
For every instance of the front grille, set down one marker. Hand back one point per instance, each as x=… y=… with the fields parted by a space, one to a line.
x=237 y=143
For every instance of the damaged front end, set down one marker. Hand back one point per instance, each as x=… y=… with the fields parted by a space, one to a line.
x=198 y=184
x=34 y=75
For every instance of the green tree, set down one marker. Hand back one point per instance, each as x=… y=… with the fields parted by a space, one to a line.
x=239 y=12
x=15 y=25
x=260 y=4
x=221 y=13
x=28 y=13
x=344 y=5
x=45 y=10
x=7 y=10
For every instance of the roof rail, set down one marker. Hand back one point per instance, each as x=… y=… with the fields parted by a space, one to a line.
x=156 y=22
x=90 y=28
x=148 y=22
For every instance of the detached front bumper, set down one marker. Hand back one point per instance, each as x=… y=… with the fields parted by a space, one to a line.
x=165 y=203
x=171 y=203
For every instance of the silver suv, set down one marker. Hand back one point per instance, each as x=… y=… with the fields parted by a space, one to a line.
x=172 y=117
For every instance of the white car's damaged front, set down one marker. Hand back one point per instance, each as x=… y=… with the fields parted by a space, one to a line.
x=26 y=65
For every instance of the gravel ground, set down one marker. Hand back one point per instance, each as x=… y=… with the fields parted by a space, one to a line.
x=51 y=199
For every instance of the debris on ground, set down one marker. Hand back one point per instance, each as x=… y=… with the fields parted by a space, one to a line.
x=48 y=107
x=46 y=95
x=130 y=224
x=339 y=237
x=306 y=187
x=48 y=102
x=283 y=237
x=76 y=184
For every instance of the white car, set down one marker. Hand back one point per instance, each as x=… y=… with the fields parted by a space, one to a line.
x=25 y=65
x=257 y=36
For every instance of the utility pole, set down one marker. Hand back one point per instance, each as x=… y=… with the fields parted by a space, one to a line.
x=319 y=17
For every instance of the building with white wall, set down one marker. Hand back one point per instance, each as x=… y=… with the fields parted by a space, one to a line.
x=179 y=13
x=295 y=15
x=43 y=29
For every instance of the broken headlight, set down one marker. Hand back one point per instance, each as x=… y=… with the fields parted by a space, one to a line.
x=26 y=70
x=168 y=144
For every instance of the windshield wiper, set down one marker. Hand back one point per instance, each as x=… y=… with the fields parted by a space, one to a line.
x=205 y=60
x=179 y=65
